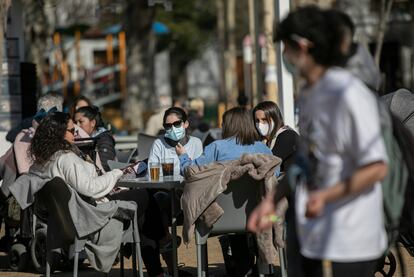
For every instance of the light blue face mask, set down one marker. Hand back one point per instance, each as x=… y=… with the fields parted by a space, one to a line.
x=290 y=67
x=174 y=133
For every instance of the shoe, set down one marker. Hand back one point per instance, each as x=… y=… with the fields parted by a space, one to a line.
x=168 y=245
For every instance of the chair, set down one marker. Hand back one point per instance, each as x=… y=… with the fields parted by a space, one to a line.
x=125 y=156
x=237 y=202
x=55 y=196
x=116 y=164
x=144 y=146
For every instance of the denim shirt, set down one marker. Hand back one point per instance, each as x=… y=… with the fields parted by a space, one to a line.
x=224 y=150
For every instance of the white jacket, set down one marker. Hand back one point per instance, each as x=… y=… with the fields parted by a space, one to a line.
x=78 y=174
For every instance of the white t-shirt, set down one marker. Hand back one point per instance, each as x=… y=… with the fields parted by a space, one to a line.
x=161 y=150
x=340 y=130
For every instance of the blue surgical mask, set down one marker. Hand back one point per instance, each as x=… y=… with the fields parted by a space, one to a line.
x=290 y=67
x=176 y=134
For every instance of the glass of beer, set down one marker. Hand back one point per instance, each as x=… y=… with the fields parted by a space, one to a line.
x=168 y=168
x=155 y=168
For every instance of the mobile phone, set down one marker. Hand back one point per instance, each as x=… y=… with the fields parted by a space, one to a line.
x=139 y=167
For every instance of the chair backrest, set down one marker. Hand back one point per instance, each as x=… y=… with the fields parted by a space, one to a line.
x=124 y=156
x=55 y=196
x=144 y=145
x=238 y=201
x=116 y=165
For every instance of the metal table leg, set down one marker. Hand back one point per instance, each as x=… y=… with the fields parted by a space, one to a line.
x=174 y=232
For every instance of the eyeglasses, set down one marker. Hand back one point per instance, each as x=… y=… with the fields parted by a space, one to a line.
x=176 y=124
x=72 y=131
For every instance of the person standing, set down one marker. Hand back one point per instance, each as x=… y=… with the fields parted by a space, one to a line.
x=339 y=212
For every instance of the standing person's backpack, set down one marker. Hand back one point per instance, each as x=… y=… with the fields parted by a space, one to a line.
x=398 y=185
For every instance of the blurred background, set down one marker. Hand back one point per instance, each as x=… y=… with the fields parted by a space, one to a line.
x=132 y=57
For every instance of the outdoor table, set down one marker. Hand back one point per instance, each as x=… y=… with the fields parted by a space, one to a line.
x=171 y=185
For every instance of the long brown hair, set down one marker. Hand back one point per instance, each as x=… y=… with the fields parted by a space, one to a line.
x=272 y=113
x=237 y=123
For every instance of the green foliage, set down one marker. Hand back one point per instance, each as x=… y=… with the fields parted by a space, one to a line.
x=191 y=24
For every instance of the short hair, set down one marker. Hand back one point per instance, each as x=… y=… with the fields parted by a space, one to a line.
x=238 y=124
x=92 y=113
x=180 y=113
x=49 y=137
x=50 y=100
x=272 y=112
x=313 y=24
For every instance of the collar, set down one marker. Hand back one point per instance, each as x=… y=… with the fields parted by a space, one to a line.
x=174 y=143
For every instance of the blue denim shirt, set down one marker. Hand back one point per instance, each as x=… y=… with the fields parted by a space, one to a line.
x=224 y=150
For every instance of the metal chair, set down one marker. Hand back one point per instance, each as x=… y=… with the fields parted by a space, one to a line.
x=116 y=164
x=55 y=196
x=125 y=156
x=144 y=146
x=238 y=201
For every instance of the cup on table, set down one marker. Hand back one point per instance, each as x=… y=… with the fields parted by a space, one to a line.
x=154 y=168
x=168 y=168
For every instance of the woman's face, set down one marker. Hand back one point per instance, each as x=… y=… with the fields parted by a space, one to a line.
x=264 y=126
x=173 y=120
x=80 y=104
x=85 y=123
x=70 y=132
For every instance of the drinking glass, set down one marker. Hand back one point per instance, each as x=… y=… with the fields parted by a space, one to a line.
x=155 y=168
x=168 y=168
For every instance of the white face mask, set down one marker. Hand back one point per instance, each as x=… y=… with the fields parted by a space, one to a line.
x=264 y=129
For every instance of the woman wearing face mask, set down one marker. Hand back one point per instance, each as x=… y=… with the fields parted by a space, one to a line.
x=175 y=124
x=89 y=119
x=280 y=138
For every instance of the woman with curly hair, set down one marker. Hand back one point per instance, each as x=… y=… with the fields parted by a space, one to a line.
x=55 y=155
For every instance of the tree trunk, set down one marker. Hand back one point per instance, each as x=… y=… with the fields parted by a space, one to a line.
x=178 y=75
x=4 y=6
x=37 y=31
x=384 y=14
x=140 y=54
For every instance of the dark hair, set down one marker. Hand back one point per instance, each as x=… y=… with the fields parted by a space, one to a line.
x=92 y=113
x=49 y=137
x=272 y=112
x=312 y=23
x=345 y=27
x=238 y=123
x=76 y=101
x=180 y=113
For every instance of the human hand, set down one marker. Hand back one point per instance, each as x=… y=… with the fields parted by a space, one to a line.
x=263 y=216
x=316 y=204
x=179 y=149
x=131 y=169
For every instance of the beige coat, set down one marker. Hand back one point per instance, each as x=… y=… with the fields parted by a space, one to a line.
x=204 y=183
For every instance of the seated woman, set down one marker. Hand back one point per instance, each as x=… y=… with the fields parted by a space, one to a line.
x=279 y=137
x=239 y=137
x=283 y=141
x=175 y=124
x=89 y=119
x=55 y=155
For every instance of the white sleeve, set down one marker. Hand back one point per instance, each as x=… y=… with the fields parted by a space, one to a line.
x=364 y=136
x=155 y=153
x=198 y=147
x=76 y=173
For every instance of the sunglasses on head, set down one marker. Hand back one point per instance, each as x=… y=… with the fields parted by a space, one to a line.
x=176 y=124
x=72 y=131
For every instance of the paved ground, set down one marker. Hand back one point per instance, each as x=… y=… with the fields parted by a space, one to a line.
x=187 y=258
